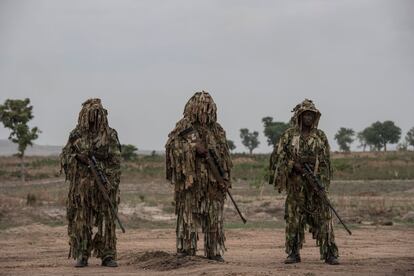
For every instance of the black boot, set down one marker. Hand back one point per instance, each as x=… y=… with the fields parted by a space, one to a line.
x=81 y=262
x=185 y=253
x=332 y=260
x=109 y=262
x=294 y=257
x=182 y=254
x=217 y=258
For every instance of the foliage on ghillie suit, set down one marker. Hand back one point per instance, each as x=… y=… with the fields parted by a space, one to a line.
x=86 y=206
x=198 y=197
x=303 y=207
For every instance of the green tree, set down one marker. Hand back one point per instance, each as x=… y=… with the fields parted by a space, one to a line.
x=409 y=138
x=273 y=130
x=129 y=152
x=15 y=114
x=231 y=145
x=378 y=135
x=344 y=138
x=249 y=139
x=371 y=138
x=362 y=141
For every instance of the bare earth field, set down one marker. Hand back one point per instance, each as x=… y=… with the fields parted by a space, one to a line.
x=42 y=250
x=374 y=195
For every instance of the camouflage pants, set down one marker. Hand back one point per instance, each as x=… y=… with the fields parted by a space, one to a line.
x=83 y=213
x=189 y=221
x=298 y=215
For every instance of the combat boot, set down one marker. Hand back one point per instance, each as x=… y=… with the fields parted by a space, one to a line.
x=294 y=257
x=332 y=260
x=185 y=253
x=217 y=258
x=81 y=262
x=109 y=262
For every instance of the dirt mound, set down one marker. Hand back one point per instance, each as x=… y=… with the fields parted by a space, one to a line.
x=162 y=261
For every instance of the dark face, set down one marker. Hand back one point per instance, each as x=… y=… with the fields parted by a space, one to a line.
x=93 y=119
x=308 y=117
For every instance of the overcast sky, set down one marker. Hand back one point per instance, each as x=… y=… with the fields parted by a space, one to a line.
x=144 y=59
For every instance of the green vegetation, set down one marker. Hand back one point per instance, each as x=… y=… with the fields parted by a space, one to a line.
x=231 y=145
x=409 y=138
x=344 y=138
x=128 y=152
x=273 y=130
x=15 y=114
x=378 y=135
x=249 y=139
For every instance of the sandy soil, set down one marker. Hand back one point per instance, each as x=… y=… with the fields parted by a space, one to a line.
x=42 y=250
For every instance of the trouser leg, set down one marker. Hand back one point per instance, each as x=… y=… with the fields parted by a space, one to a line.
x=321 y=227
x=295 y=228
x=213 y=229
x=186 y=229
x=80 y=233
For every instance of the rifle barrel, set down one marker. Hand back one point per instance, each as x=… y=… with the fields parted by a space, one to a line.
x=101 y=179
x=321 y=191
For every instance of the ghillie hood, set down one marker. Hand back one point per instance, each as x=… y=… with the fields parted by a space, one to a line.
x=306 y=105
x=201 y=109
x=93 y=120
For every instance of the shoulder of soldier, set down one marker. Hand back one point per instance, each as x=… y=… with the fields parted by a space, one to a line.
x=289 y=133
x=74 y=134
x=220 y=128
x=321 y=134
x=180 y=126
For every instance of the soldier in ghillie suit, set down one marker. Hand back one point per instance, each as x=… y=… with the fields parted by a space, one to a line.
x=199 y=197
x=86 y=206
x=303 y=143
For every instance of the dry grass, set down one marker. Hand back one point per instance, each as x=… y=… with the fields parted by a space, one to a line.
x=147 y=198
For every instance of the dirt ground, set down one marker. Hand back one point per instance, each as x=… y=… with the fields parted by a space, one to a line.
x=42 y=250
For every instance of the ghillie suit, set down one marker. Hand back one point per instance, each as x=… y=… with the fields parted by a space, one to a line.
x=86 y=206
x=303 y=207
x=199 y=199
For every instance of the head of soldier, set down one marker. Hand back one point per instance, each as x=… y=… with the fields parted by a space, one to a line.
x=308 y=118
x=306 y=115
x=201 y=109
x=93 y=117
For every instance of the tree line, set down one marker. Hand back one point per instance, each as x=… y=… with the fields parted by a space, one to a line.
x=16 y=114
x=375 y=137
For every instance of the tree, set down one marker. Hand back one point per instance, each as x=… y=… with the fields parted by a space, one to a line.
x=231 y=145
x=372 y=138
x=249 y=139
x=344 y=138
x=409 y=138
x=378 y=135
x=129 y=152
x=362 y=141
x=15 y=114
x=273 y=130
